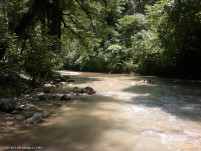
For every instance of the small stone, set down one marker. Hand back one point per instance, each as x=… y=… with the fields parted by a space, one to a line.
x=88 y=90
x=67 y=77
x=46 y=90
x=65 y=98
x=52 y=97
x=59 y=105
x=42 y=98
x=14 y=112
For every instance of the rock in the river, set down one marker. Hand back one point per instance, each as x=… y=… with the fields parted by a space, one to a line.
x=28 y=114
x=88 y=90
x=46 y=90
x=43 y=98
x=35 y=119
x=19 y=106
x=7 y=105
x=45 y=114
x=52 y=97
x=66 y=77
x=65 y=98
x=141 y=82
x=59 y=105
x=29 y=107
x=15 y=112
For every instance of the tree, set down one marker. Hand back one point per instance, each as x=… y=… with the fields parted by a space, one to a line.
x=178 y=25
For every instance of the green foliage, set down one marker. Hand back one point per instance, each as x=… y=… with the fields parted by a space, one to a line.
x=146 y=36
x=177 y=25
x=128 y=26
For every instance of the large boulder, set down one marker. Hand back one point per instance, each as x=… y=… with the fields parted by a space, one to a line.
x=7 y=105
x=65 y=98
x=88 y=90
x=35 y=119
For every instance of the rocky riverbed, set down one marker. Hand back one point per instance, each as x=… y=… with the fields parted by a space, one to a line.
x=24 y=104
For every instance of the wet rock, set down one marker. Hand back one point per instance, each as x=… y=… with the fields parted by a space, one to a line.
x=59 y=105
x=67 y=77
x=28 y=114
x=88 y=90
x=52 y=97
x=29 y=107
x=19 y=106
x=65 y=98
x=45 y=114
x=7 y=105
x=43 y=98
x=15 y=112
x=35 y=119
x=46 y=90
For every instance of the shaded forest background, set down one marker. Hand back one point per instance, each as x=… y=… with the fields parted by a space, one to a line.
x=151 y=37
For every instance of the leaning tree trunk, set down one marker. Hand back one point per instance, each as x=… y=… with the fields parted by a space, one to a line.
x=55 y=19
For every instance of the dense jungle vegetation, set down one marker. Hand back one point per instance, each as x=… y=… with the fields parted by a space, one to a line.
x=151 y=37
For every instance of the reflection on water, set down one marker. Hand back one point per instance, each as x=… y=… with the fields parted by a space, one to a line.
x=157 y=116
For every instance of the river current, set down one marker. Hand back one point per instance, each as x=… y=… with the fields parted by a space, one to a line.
x=124 y=115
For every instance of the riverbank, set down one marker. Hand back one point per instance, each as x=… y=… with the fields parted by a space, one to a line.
x=27 y=105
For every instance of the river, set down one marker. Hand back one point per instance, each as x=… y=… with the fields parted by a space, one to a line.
x=162 y=115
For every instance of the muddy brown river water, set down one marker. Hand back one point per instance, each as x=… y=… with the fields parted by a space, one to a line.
x=163 y=115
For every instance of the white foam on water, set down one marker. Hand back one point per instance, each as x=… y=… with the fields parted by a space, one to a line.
x=135 y=109
x=164 y=137
x=191 y=109
x=192 y=133
x=66 y=72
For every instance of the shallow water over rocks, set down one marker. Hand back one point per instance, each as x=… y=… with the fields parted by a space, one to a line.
x=162 y=115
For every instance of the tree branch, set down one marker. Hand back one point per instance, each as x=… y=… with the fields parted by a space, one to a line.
x=71 y=30
x=86 y=12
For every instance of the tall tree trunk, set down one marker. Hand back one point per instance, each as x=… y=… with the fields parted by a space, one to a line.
x=56 y=19
x=55 y=25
